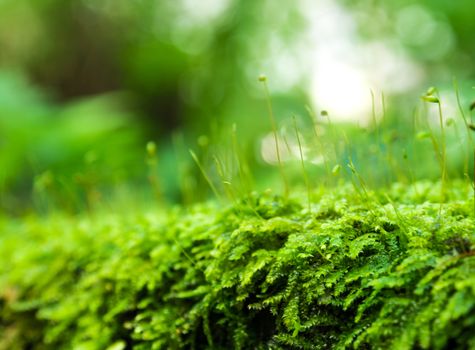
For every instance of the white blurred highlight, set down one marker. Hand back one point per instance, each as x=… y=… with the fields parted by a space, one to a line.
x=344 y=71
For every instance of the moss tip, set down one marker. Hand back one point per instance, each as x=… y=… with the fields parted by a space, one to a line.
x=151 y=148
x=430 y=98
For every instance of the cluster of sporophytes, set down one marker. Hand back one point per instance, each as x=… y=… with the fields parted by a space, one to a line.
x=341 y=267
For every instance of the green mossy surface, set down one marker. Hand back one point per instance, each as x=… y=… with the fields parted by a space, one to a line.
x=358 y=271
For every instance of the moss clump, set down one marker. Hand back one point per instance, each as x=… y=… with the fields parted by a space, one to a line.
x=352 y=273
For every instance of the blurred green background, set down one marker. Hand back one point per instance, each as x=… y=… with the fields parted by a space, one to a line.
x=85 y=84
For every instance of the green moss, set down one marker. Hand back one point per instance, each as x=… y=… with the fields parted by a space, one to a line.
x=265 y=273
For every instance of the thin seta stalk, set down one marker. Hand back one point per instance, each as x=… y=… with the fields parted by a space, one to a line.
x=304 y=171
x=431 y=96
x=318 y=141
x=263 y=80
x=467 y=124
x=152 y=162
x=245 y=175
x=182 y=170
x=205 y=176
x=470 y=127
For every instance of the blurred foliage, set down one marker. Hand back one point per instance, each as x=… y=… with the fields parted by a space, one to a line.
x=181 y=68
x=85 y=84
x=437 y=33
x=185 y=63
x=67 y=152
